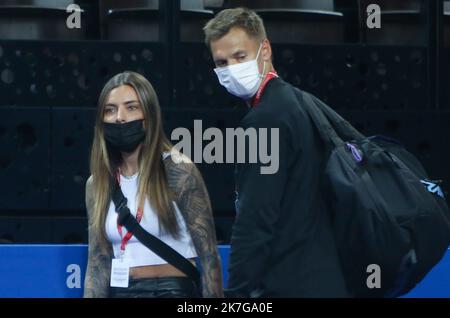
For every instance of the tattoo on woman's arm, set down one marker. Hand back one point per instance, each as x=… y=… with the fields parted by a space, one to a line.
x=193 y=200
x=96 y=283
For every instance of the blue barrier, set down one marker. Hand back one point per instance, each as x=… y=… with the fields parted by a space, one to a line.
x=57 y=271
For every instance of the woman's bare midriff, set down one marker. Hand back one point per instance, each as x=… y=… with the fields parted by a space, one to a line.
x=163 y=270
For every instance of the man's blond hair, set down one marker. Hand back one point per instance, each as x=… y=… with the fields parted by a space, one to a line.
x=242 y=18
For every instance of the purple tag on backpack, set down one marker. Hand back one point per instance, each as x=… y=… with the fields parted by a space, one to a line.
x=355 y=152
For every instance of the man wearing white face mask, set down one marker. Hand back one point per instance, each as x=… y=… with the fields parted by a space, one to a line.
x=282 y=243
x=242 y=79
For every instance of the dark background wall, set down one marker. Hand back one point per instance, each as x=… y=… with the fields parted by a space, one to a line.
x=393 y=81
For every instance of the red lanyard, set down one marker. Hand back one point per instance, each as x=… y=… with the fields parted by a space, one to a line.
x=128 y=236
x=261 y=88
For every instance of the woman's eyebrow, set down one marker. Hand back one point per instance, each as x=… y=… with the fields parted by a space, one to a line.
x=131 y=102
x=126 y=103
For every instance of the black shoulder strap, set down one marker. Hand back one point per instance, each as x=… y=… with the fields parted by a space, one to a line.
x=324 y=128
x=125 y=218
x=341 y=127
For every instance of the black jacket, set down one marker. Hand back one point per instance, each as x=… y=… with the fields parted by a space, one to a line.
x=282 y=244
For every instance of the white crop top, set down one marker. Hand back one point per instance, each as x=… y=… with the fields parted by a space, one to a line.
x=135 y=252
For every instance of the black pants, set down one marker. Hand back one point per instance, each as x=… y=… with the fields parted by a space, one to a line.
x=160 y=287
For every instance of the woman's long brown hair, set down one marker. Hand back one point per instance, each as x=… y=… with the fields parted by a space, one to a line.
x=105 y=160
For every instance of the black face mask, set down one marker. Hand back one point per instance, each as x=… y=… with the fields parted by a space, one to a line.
x=125 y=137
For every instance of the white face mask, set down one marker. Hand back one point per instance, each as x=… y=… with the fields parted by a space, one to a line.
x=242 y=79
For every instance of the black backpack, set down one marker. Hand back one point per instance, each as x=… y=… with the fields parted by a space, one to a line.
x=385 y=210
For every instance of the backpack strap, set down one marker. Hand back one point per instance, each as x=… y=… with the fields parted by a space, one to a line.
x=323 y=125
x=340 y=125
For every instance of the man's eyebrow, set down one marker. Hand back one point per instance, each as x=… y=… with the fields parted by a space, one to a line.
x=219 y=60
x=239 y=52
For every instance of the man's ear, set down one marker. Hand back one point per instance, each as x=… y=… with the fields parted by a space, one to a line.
x=266 y=51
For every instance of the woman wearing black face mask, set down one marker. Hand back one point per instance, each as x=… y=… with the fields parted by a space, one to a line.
x=167 y=197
